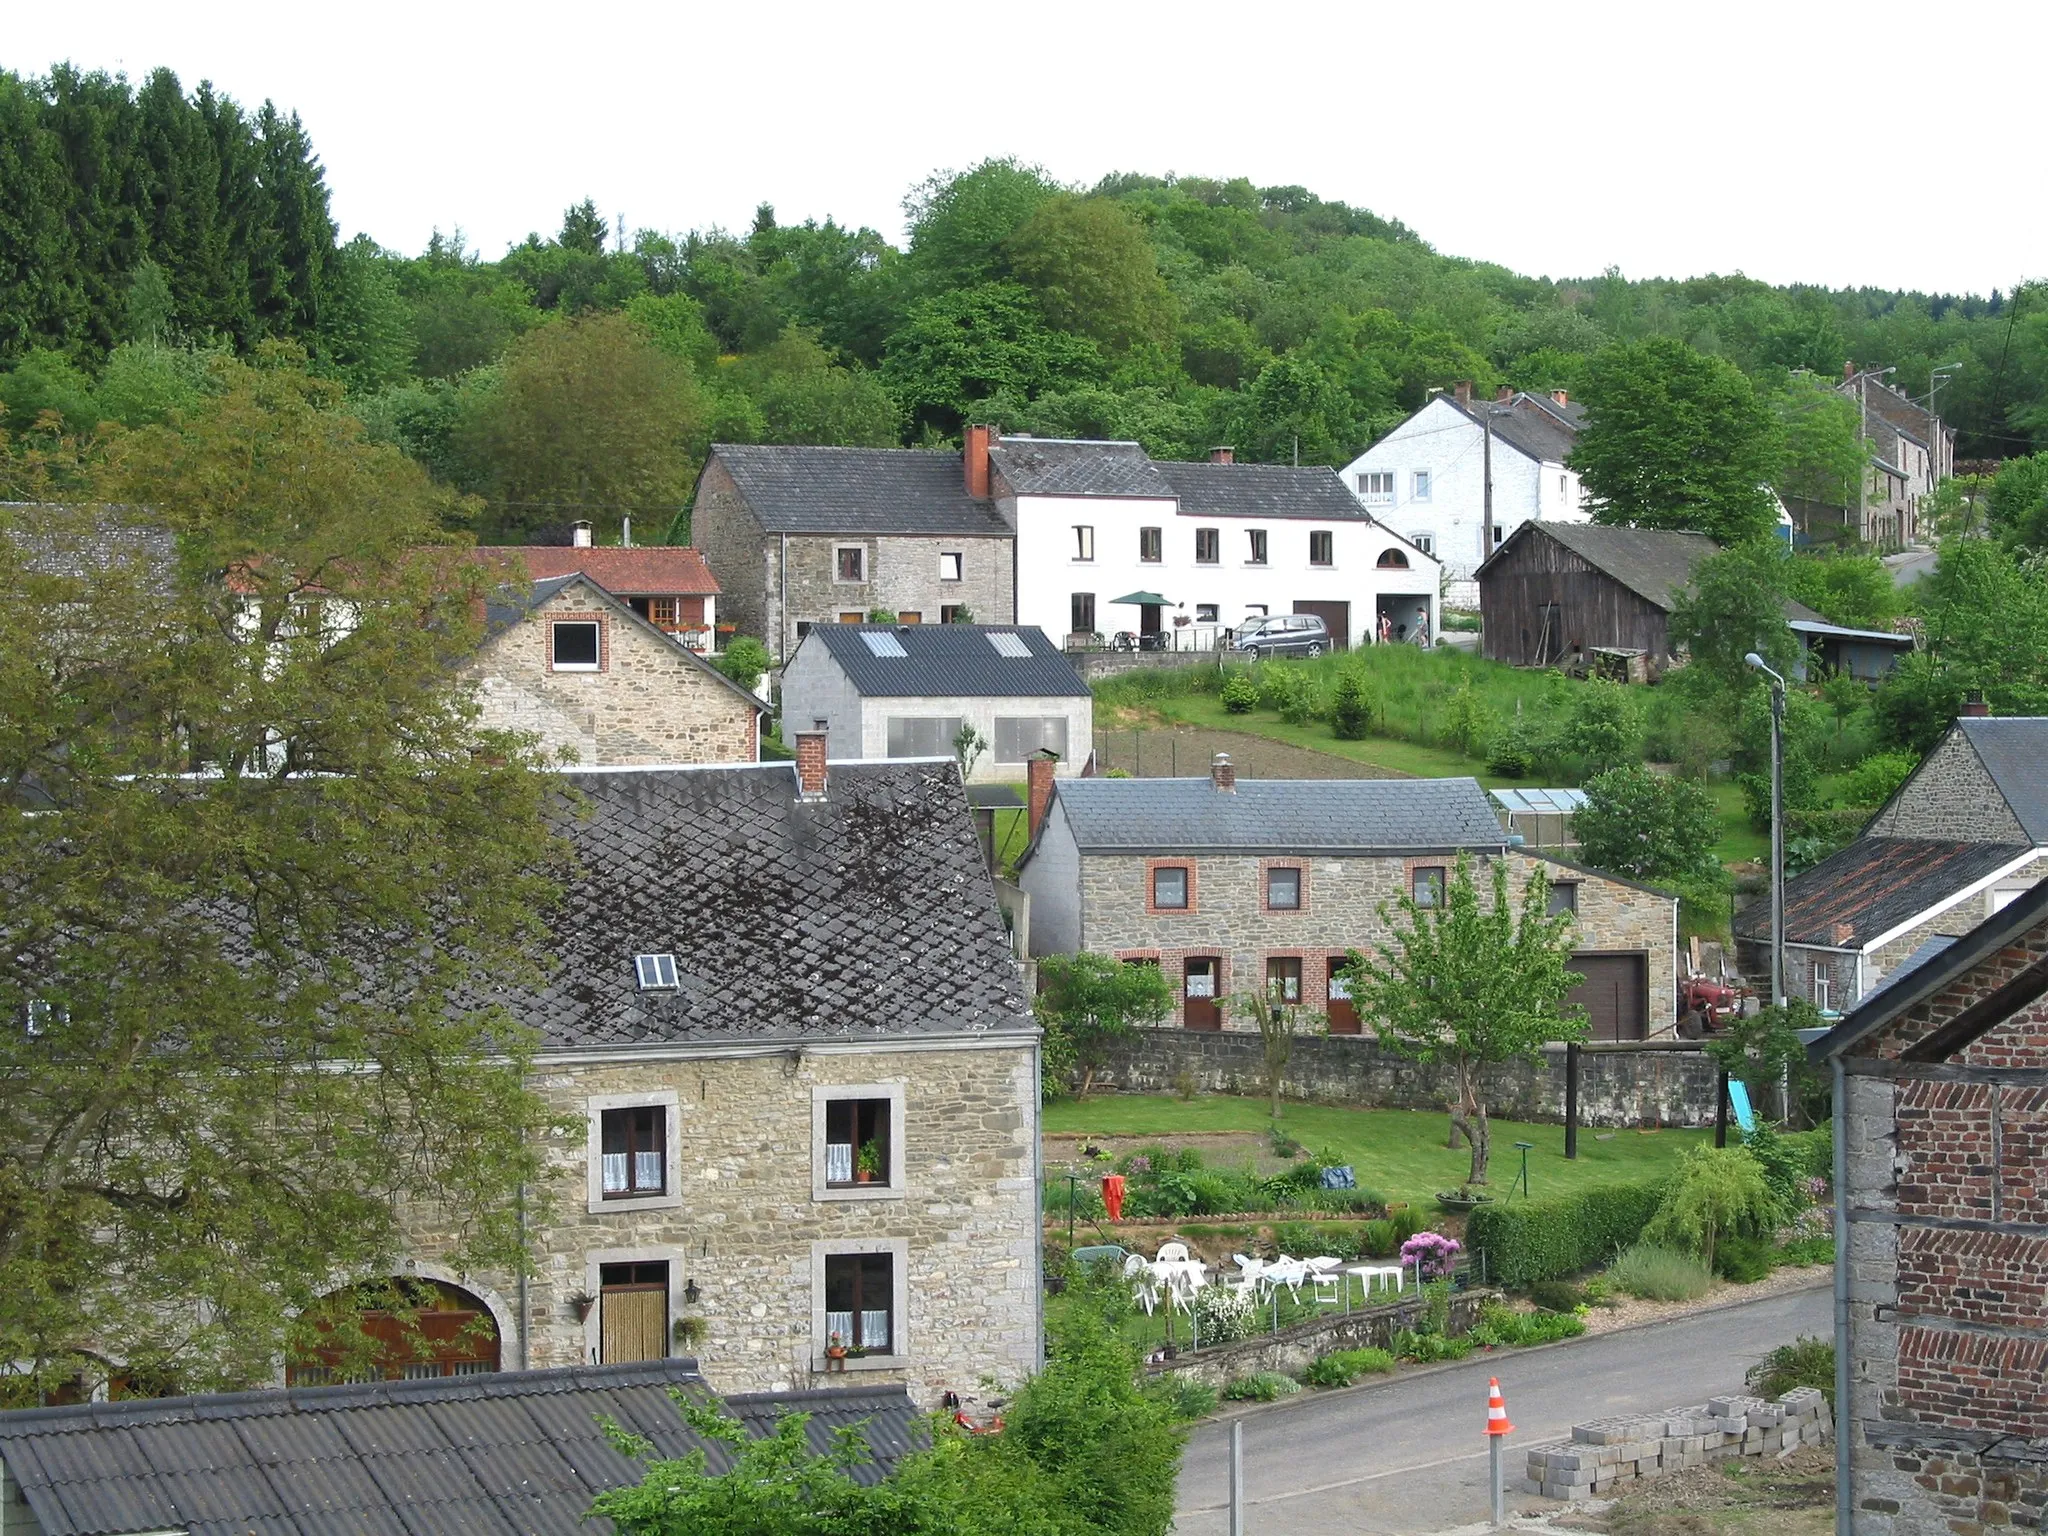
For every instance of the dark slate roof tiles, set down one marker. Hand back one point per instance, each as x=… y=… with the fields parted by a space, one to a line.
x=2014 y=751
x=1262 y=491
x=1054 y=466
x=1872 y=886
x=948 y=660
x=857 y=490
x=1278 y=815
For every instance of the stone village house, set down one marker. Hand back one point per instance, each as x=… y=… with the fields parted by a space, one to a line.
x=1263 y=884
x=1941 y=1159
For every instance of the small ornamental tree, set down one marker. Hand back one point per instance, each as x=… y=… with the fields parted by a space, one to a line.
x=1278 y=1024
x=1086 y=1003
x=1470 y=983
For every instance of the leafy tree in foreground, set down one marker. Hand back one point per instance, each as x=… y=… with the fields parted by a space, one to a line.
x=1086 y=1003
x=1279 y=1024
x=1676 y=439
x=181 y=1173
x=1470 y=983
x=1648 y=826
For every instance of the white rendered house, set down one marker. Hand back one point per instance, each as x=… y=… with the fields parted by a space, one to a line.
x=1220 y=542
x=1427 y=478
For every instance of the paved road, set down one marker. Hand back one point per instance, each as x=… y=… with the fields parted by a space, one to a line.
x=1410 y=1457
x=1911 y=566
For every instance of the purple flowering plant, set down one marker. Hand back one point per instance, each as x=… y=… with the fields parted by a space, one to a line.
x=1431 y=1253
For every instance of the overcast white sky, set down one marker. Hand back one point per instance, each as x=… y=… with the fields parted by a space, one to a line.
x=1894 y=145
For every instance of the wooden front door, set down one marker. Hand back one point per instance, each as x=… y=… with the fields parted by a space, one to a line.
x=1201 y=1005
x=633 y=1313
x=1343 y=1013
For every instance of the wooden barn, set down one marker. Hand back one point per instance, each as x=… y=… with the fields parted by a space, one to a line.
x=1589 y=597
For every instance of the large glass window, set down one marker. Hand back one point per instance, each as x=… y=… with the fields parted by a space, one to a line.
x=1019 y=736
x=922 y=735
x=635 y=1151
x=574 y=645
x=857 y=1143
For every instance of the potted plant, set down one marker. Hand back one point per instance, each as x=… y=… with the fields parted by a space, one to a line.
x=689 y=1331
x=835 y=1354
x=867 y=1168
x=1463 y=1198
x=582 y=1301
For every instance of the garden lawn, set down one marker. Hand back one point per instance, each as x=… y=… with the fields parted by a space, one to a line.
x=1397 y=1152
x=1740 y=842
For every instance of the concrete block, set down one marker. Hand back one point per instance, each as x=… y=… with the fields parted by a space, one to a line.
x=1566 y=1492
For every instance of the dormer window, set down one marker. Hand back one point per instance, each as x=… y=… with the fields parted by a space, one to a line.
x=657 y=972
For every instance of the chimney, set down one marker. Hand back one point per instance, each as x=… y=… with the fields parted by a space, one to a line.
x=579 y=534
x=1222 y=774
x=1463 y=390
x=1561 y=396
x=1503 y=395
x=1974 y=707
x=1038 y=789
x=1223 y=455
x=810 y=762
x=1848 y=370
x=974 y=447
x=626 y=531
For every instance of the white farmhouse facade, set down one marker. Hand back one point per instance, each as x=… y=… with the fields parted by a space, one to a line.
x=1426 y=479
x=1220 y=542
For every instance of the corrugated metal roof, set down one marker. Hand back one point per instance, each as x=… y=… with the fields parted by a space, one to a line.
x=517 y=1454
x=948 y=661
x=1540 y=802
x=1278 y=815
x=1818 y=627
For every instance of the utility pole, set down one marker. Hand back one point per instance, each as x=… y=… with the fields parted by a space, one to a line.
x=1777 y=828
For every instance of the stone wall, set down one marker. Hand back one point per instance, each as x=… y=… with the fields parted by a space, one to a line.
x=1646 y=1084
x=1951 y=796
x=647 y=703
x=1293 y=1350
x=1094 y=665
x=1603 y=1456
x=746 y=1216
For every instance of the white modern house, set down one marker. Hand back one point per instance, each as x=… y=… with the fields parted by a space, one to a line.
x=1427 y=478
x=1109 y=539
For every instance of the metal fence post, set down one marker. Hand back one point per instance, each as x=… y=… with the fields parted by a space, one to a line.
x=1237 y=1477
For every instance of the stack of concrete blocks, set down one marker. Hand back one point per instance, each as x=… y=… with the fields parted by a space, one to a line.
x=1604 y=1454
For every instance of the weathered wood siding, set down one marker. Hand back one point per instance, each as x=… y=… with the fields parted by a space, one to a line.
x=1593 y=608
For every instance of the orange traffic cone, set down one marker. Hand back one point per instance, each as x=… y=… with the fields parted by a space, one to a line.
x=1496 y=1409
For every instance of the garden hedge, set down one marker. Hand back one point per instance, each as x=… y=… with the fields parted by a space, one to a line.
x=1529 y=1240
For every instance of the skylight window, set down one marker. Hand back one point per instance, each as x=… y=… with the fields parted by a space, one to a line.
x=1012 y=646
x=883 y=644
x=657 y=972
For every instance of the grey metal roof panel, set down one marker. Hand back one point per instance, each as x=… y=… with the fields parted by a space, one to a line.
x=1287 y=815
x=857 y=490
x=2014 y=751
x=1262 y=491
x=948 y=660
x=1823 y=628
x=1053 y=466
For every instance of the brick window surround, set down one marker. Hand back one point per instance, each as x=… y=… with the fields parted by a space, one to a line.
x=1304 y=971
x=1266 y=867
x=1442 y=863
x=1154 y=910
x=604 y=641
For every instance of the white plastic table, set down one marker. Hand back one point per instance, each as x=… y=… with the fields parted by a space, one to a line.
x=1367 y=1273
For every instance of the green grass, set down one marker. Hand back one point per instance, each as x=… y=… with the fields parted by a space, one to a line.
x=1740 y=842
x=1399 y=1152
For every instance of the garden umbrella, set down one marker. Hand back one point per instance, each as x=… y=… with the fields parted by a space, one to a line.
x=1143 y=600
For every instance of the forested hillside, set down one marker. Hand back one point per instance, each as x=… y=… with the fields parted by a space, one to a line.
x=584 y=372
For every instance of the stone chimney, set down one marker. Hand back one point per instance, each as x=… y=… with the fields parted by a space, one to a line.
x=810 y=762
x=1223 y=455
x=1561 y=396
x=1222 y=774
x=1463 y=390
x=579 y=534
x=1974 y=707
x=1503 y=395
x=1038 y=789
x=974 y=446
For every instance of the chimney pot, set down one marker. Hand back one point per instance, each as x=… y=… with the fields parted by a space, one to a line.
x=1561 y=396
x=626 y=531
x=1222 y=773
x=1038 y=789
x=1223 y=455
x=1463 y=390
x=975 y=443
x=1974 y=706
x=579 y=534
x=810 y=762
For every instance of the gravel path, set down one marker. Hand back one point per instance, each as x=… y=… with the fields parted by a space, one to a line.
x=1629 y=1312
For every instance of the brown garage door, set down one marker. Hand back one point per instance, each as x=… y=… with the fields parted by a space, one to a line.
x=1615 y=993
x=1336 y=618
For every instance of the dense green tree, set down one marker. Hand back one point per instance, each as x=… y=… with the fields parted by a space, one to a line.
x=1648 y=826
x=801 y=396
x=1295 y=413
x=962 y=347
x=2018 y=502
x=1984 y=629
x=1093 y=272
x=1824 y=457
x=961 y=224
x=1735 y=605
x=1844 y=587
x=46 y=381
x=366 y=326
x=1086 y=1003
x=145 y=382
x=1676 y=439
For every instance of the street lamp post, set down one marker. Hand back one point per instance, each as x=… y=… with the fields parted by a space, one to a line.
x=1777 y=828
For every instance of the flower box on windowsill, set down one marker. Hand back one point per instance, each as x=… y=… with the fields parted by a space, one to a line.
x=868 y=1362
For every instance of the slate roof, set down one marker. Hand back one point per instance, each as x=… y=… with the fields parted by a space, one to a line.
x=1654 y=563
x=944 y=660
x=662 y=570
x=866 y=914
x=1906 y=967
x=1278 y=816
x=857 y=490
x=1058 y=466
x=82 y=548
x=1262 y=491
x=519 y=1452
x=1542 y=429
x=2014 y=751
x=1871 y=887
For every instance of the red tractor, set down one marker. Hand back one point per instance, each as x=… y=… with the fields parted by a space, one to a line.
x=1708 y=1001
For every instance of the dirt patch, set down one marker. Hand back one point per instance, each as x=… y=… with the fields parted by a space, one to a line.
x=1628 y=1311
x=1150 y=751
x=1737 y=1497
x=1219 y=1149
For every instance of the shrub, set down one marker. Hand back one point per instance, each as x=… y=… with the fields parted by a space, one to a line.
x=1240 y=694
x=1468 y=723
x=1808 y=1250
x=1341 y=1367
x=1297 y=1239
x=1431 y=1253
x=1783 y=1163
x=1351 y=708
x=1498 y=1327
x=1815 y=1149
x=1261 y=1387
x=1376 y=1240
x=1515 y=751
x=1557 y=1295
x=744 y=660
x=1183 y=1398
x=1602 y=732
x=1529 y=1240
x=1660 y=1274
x=1224 y=1315
x=1719 y=1192
x=1743 y=1260
x=1805 y=1362
x=1429 y=1348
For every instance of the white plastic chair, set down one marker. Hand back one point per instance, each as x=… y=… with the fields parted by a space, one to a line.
x=1250 y=1276
x=1144 y=1284
x=1292 y=1273
x=1327 y=1274
x=1172 y=1253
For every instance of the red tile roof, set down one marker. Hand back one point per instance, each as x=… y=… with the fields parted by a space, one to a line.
x=662 y=570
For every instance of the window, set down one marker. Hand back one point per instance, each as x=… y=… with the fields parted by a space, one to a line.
x=1205 y=613
x=1283 y=888
x=1393 y=560
x=1283 y=978
x=1560 y=485
x=1150 y=546
x=1377 y=484
x=1426 y=885
x=573 y=645
x=857 y=1143
x=882 y=645
x=1498 y=532
x=952 y=566
x=655 y=971
x=1564 y=897
x=860 y=1301
x=853 y=617
x=1255 y=610
x=632 y=1319
x=803 y=627
x=1340 y=979
x=1426 y=542
x=1019 y=736
x=1256 y=554
x=44 y=1015
x=909 y=616
x=1170 y=887
x=1419 y=487
x=1081 y=612
x=1084 y=542
x=953 y=613
x=1009 y=643
x=665 y=612
x=922 y=735
x=1322 y=547
x=1208 y=546
x=850 y=562
x=635 y=1152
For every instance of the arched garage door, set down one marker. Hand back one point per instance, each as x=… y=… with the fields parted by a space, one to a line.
x=1615 y=994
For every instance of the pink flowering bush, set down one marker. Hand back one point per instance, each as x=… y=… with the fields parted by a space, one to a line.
x=1431 y=1252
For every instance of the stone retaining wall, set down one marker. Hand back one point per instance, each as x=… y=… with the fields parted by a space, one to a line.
x=1292 y=1350
x=1098 y=664
x=1643 y=1084
x=1605 y=1453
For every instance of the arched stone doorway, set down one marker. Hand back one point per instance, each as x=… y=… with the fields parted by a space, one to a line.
x=398 y=1329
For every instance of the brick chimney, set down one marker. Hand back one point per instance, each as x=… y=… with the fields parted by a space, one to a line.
x=1222 y=774
x=810 y=762
x=1503 y=395
x=1561 y=396
x=1974 y=707
x=974 y=447
x=1224 y=455
x=1463 y=390
x=1848 y=370
x=1038 y=789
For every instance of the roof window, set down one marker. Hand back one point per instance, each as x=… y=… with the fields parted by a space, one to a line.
x=1010 y=645
x=880 y=643
x=657 y=972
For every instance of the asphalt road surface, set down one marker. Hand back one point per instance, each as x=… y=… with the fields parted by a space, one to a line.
x=1410 y=1456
